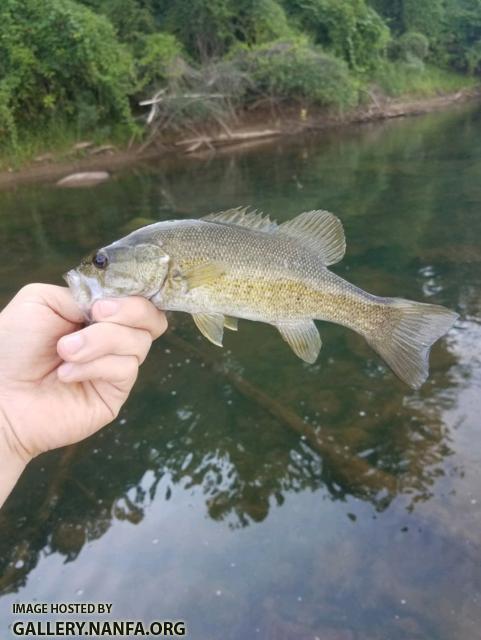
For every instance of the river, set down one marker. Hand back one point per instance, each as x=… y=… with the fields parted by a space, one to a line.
x=241 y=490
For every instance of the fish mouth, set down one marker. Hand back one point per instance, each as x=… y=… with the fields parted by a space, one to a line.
x=85 y=290
x=72 y=278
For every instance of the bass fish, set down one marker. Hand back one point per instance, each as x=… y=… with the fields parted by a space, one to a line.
x=240 y=264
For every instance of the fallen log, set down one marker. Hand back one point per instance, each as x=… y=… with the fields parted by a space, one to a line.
x=350 y=468
x=223 y=139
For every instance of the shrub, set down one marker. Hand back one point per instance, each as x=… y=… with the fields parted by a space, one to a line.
x=204 y=27
x=210 y=28
x=159 y=61
x=412 y=44
x=57 y=59
x=131 y=18
x=204 y=95
x=265 y=22
x=300 y=72
x=350 y=29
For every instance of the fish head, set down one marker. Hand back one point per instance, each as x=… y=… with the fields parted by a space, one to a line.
x=118 y=270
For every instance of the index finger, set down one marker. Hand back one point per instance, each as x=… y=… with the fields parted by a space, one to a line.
x=133 y=311
x=58 y=299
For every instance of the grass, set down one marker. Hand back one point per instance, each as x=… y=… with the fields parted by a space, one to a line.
x=58 y=139
x=400 y=79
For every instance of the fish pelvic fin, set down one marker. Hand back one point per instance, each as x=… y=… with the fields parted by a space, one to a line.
x=211 y=325
x=321 y=231
x=408 y=332
x=231 y=323
x=303 y=338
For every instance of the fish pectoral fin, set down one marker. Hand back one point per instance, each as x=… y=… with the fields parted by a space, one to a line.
x=231 y=323
x=321 y=231
x=203 y=274
x=211 y=325
x=303 y=338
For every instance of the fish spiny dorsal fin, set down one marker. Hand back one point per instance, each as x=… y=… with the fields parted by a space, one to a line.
x=321 y=231
x=242 y=217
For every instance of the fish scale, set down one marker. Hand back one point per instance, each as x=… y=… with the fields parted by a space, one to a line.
x=240 y=264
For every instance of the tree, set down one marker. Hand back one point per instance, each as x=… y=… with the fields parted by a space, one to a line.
x=59 y=59
x=349 y=28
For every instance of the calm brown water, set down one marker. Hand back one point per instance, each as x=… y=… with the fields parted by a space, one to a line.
x=204 y=501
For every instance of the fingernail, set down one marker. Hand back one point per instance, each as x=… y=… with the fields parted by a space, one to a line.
x=65 y=370
x=105 y=308
x=72 y=343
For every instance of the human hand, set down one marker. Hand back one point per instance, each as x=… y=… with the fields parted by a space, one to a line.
x=60 y=381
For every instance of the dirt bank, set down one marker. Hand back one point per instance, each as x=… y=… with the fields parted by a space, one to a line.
x=252 y=126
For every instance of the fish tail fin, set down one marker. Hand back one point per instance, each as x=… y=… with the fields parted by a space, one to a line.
x=408 y=331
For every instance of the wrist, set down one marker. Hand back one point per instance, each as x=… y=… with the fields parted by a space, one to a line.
x=12 y=460
x=10 y=443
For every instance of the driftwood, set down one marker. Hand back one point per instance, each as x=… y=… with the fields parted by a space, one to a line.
x=352 y=469
x=223 y=139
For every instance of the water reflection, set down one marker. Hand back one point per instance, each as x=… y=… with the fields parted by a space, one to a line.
x=242 y=448
x=247 y=428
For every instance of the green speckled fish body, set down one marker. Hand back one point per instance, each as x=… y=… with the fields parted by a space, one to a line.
x=240 y=264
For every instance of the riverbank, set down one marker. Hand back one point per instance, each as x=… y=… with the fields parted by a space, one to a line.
x=252 y=126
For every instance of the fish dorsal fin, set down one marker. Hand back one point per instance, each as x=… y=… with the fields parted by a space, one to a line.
x=242 y=217
x=303 y=338
x=211 y=325
x=321 y=231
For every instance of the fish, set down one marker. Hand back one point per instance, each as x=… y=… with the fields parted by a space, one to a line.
x=240 y=264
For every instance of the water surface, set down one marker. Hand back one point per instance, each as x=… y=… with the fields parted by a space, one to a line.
x=242 y=490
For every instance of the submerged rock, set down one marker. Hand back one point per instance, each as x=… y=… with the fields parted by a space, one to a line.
x=84 y=179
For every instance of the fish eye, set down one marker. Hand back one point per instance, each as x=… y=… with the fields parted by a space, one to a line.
x=100 y=261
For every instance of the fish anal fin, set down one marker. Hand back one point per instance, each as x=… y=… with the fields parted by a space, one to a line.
x=211 y=325
x=242 y=217
x=203 y=274
x=303 y=338
x=321 y=231
x=231 y=323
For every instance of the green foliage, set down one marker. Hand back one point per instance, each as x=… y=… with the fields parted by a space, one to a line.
x=299 y=72
x=131 y=18
x=462 y=36
x=412 y=47
x=265 y=21
x=84 y=63
x=204 y=27
x=424 y=16
x=349 y=28
x=160 y=59
x=209 y=28
x=391 y=11
x=401 y=79
x=58 y=58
